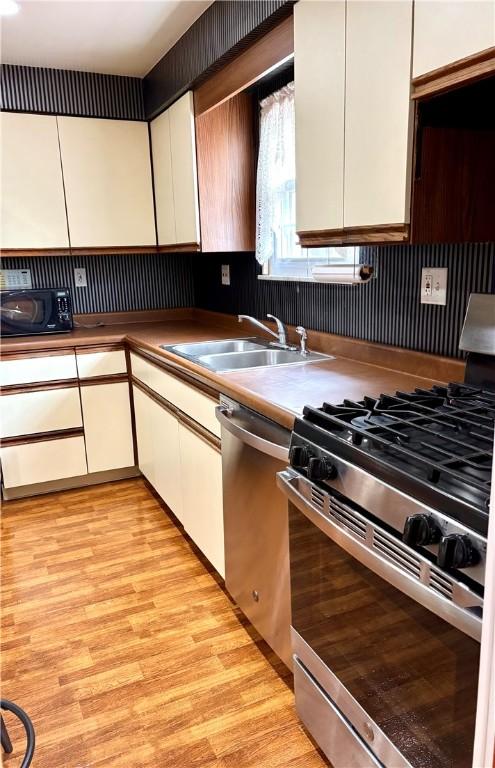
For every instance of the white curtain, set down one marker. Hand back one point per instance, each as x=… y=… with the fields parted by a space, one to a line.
x=275 y=185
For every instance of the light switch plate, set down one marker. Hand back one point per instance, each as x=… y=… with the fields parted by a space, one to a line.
x=434 y=285
x=80 y=277
x=225 y=274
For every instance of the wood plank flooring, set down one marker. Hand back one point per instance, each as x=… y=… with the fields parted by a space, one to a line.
x=124 y=649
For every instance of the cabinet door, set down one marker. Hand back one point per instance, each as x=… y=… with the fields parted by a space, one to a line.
x=448 y=30
x=166 y=458
x=377 y=112
x=162 y=177
x=107 y=175
x=201 y=467
x=184 y=175
x=107 y=426
x=32 y=192
x=143 y=417
x=157 y=433
x=319 y=46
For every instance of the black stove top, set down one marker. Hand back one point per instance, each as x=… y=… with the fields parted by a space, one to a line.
x=436 y=444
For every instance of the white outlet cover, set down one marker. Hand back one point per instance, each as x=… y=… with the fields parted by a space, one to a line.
x=80 y=277
x=434 y=285
x=225 y=274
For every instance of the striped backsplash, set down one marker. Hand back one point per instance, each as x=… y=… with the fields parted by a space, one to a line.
x=67 y=92
x=116 y=283
x=387 y=310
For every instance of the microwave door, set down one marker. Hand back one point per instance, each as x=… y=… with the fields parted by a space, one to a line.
x=22 y=313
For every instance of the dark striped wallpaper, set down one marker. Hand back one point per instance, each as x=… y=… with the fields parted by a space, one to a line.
x=116 y=283
x=221 y=31
x=386 y=310
x=67 y=92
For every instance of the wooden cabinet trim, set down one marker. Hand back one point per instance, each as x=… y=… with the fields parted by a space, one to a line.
x=184 y=419
x=131 y=404
x=96 y=251
x=386 y=233
x=263 y=56
x=463 y=71
x=65 y=351
x=204 y=434
x=38 y=386
x=109 y=378
x=39 y=437
x=174 y=369
x=95 y=348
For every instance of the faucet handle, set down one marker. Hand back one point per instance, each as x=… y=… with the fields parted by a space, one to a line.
x=304 y=335
x=302 y=332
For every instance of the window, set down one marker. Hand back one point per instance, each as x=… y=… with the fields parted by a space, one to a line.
x=276 y=241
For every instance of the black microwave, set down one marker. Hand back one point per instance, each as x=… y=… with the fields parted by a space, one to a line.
x=29 y=312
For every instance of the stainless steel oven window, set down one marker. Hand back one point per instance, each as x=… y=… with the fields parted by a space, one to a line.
x=413 y=673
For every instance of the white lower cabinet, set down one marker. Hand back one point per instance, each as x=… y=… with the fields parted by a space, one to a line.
x=157 y=432
x=42 y=461
x=201 y=473
x=107 y=426
x=185 y=470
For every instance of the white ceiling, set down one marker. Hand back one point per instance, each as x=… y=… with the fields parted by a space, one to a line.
x=122 y=37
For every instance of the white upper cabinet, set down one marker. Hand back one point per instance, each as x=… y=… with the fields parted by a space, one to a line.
x=447 y=30
x=108 y=186
x=378 y=112
x=32 y=192
x=175 y=176
x=319 y=44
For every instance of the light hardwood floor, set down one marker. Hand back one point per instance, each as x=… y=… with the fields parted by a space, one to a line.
x=123 y=648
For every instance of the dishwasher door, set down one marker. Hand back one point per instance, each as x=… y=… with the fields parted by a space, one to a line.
x=255 y=512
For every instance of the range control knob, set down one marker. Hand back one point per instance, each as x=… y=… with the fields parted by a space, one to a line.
x=321 y=469
x=457 y=551
x=421 y=530
x=299 y=456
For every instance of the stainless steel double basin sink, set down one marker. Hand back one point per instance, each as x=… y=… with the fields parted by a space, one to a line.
x=238 y=354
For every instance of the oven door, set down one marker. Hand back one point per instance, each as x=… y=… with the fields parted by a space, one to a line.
x=26 y=312
x=387 y=638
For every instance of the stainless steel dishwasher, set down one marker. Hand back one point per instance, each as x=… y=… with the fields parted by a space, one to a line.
x=255 y=514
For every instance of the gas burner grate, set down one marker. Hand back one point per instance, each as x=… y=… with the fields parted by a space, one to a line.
x=443 y=435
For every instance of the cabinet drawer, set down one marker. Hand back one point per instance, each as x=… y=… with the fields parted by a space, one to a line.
x=101 y=363
x=190 y=401
x=28 y=370
x=43 y=461
x=44 y=411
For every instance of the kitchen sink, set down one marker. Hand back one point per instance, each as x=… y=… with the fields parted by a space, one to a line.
x=216 y=347
x=238 y=354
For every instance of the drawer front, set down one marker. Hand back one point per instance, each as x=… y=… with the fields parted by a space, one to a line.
x=101 y=363
x=43 y=461
x=45 y=411
x=329 y=728
x=190 y=401
x=28 y=370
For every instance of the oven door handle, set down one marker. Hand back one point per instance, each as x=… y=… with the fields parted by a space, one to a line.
x=463 y=618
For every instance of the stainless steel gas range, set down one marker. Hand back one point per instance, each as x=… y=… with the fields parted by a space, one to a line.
x=388 y=515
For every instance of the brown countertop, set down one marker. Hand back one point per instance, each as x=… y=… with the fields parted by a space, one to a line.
x=279 y=393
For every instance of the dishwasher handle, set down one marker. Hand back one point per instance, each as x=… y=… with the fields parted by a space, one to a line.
x=253 y=436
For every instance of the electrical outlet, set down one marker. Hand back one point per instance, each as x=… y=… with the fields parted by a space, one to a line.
x=80 y=277
x=225 y=274
x=434 y=285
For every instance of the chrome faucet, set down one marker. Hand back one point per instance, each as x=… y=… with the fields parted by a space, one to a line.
x=281 y=334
